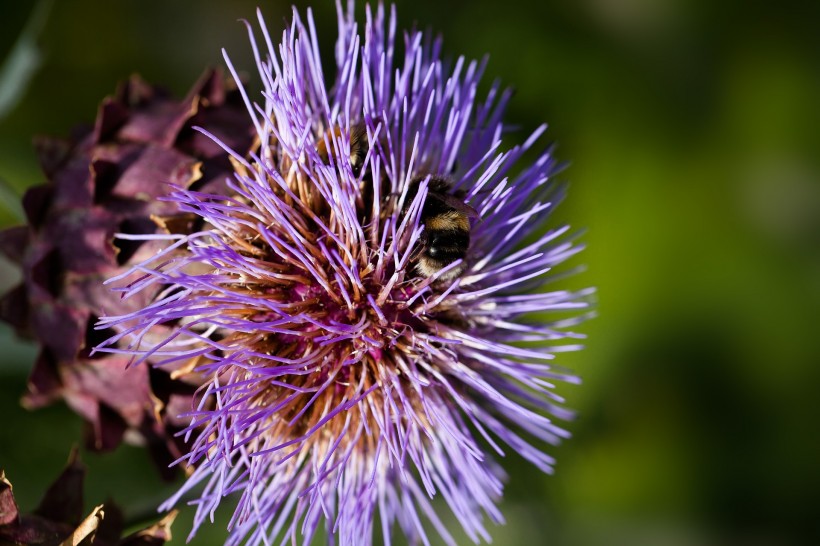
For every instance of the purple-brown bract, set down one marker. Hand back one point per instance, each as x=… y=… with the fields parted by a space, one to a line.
x=344 y=389
x=104 y=179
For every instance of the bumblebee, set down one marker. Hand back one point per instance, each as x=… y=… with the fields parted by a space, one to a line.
x=446 y=236
x=359 y=145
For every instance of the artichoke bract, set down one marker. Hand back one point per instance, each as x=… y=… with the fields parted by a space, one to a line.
x=105 y=180
x=60 y=518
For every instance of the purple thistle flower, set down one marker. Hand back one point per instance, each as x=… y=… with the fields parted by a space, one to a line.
x=342 y=382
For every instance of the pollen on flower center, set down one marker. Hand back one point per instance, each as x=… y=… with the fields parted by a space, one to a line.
x=324 y=323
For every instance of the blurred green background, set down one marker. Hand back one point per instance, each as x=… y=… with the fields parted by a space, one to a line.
x=693 y=131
